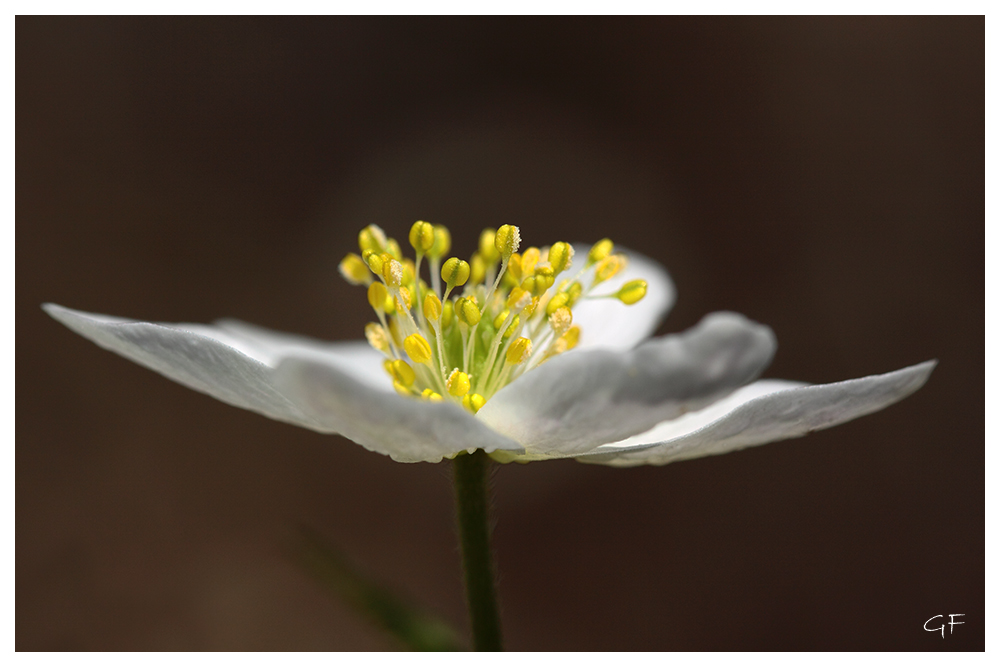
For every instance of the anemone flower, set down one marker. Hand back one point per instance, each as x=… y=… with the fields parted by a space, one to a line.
x=518 y=356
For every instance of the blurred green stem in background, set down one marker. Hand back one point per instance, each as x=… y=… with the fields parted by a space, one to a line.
x=415 y=629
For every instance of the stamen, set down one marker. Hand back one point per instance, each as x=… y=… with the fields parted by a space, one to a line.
x=422 y=237
x=418 y=348
x=442 y=242
x=373 y=260
x=458 y=383
x=599 y=251
x=402 y=373
x=372 y=238
x=608 y=268
x=529 y=259
x=560 y=257
x=454 y=273
x=632 y=292
x=354 y=270
x=376 y=337
x=507 y=240
x=468 y=312
x=487 y=246
x=561 y=320
x=519 y=351
x=379 y=300
x=393 y=250
x=527 y=322
x=432 y=307
x=473 y=402
x=477 y=269
x=431 y=395
x=555 y=303
x=392 y=271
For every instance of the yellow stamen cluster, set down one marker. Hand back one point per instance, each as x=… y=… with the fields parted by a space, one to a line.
x=480 y=323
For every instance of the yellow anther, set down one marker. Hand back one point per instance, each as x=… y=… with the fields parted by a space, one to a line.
x=373 y=260
x=354 y=270
x=397 y=336
x=529 y=310
x=514 y=267
x=418 y=348
x=409 y=271
x=473 y=402
x=609 y=267
x=402 y=373
x=512 y=327
x=467 y=311
x=529 y=258
x=455 y=272
x=458 y=383
x=401 y=389
x=442 y=242
x=519 y=351
x=372 y=238
x=536 y=285
x=544 y=276
x=560 y=257
x=556 y=302
x=432 y=307
x=431 y=395
x=377 y=337
x=393 y=250
x=507 y=240
x=487 y=246
x=561 y=320
x=558 y=346
x=392 y=271
x=599 y=251
x=573 y=292
x=422 y=236
x=632 y=292
x=518 y=299
x=499 y=319
x=477 y=266
x=405 y=300
x=571 y=337
x=378 y=295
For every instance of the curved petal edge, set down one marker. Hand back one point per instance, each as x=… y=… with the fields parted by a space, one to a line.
x=583 y=399
x=779 y=415
x=189 y=356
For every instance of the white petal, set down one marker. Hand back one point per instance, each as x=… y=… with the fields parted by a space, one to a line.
x=407 y=429
x=576 y=402
x=763 y=412
x=357 y=358
x=610 y=324
x=196 y=359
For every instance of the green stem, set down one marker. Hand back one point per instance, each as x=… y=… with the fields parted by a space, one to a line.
x=473 y=509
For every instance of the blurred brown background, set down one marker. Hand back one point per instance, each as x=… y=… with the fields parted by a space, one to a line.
x=823 y=176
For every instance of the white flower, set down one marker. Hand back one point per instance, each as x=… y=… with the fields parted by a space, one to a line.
x=613 y=398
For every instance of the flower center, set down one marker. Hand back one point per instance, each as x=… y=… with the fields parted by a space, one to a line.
x=480 y=324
